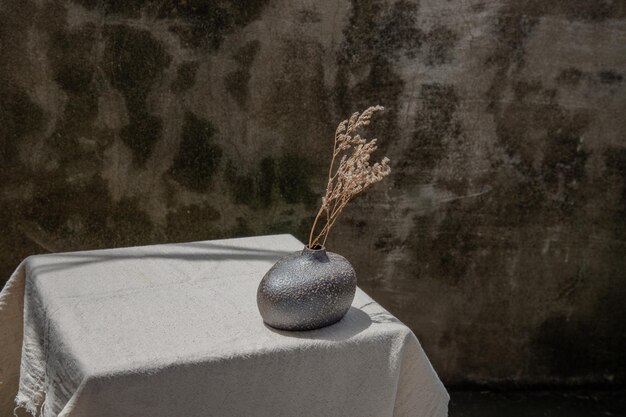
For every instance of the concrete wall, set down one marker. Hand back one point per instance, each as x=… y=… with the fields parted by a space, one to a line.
x=500 y=237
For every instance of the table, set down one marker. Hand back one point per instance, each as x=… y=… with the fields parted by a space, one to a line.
x=173 y=330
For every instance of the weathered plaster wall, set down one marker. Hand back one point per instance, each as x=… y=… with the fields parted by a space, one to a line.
x=500 y=237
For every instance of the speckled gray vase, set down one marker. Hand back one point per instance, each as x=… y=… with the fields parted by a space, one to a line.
x=306 y=290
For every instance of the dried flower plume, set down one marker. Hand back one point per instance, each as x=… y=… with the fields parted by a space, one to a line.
x=351 y=175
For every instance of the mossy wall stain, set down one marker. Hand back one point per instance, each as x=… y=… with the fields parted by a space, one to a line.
x=293 y=174
x=285 y=182
x=298 y=104
x=580 y=10
x=499 y=233
x=133 y=60
x=20 y=116
x=198 y=156
x=554 y=163
x=379 y=29
x=75 y=72
x=261 y=187
x=125 y=8
x=571 y=76
x=307 y=16
x=610 y=77
x=237 y=81
x=205 y=24
x=435 y=126
x=440 y=42
x=185 y=76
x=378 y=35
x=82 y=215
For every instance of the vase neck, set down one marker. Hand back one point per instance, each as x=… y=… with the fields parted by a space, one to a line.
x=319 y=255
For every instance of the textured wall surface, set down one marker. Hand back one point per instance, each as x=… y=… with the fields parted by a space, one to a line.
x=500 y=237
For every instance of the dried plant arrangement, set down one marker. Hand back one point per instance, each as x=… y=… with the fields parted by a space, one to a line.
x=315 y=288
x=350 y=176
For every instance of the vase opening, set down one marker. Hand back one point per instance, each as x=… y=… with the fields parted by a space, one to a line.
x=315 y=252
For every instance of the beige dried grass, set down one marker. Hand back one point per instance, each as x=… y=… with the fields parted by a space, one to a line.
x=352 y=175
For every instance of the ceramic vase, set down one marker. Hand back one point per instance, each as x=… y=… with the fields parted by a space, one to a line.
x=306 y=290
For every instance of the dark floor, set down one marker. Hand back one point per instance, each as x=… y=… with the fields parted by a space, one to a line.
x=537 y=403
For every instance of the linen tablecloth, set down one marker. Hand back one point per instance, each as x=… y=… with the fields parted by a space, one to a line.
x=173 y=330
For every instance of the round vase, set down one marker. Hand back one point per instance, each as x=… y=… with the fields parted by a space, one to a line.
x=306 y=290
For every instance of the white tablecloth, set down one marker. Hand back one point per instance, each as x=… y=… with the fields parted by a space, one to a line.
x=173 y=330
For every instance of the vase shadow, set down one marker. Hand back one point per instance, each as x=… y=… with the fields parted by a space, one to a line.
x=354 y=322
